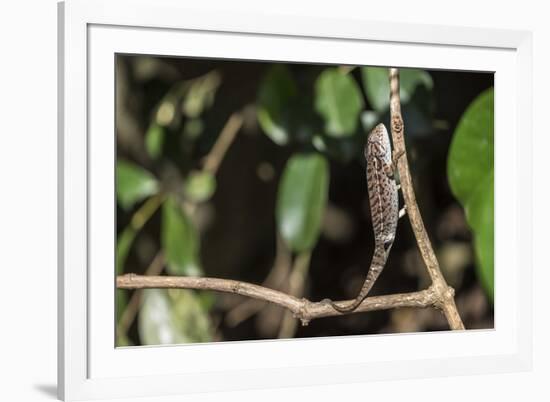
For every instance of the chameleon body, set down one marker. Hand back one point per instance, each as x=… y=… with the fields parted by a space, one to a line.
x=384 y=207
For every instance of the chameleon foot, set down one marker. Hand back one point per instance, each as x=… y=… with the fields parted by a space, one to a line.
x=391 y=168
x=396 y=157
x=402 y=212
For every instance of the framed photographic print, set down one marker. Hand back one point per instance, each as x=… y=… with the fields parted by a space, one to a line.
x=244 y=198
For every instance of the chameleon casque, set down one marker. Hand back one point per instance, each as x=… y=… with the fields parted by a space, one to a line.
x=384 y=207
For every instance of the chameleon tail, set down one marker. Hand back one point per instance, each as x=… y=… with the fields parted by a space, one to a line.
x=377 y=265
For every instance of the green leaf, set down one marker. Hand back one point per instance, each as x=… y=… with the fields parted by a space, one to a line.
x=338 y=99
x=191 y=312
x=377 y=87
x=171 y=317
x=480 y=216
x=301 y=200
x=470 y=169
x=277 y=92
x=199 y=186
x=180 y=240
x=471 y=150
x=154 y=140
x=133 y=184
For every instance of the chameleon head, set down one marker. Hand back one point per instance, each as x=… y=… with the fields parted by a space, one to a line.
x=378 y=142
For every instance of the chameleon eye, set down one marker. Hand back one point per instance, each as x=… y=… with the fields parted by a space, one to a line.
x=387 y=245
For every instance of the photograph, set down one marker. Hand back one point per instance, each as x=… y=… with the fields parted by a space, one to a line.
x=260 y=200
x=274 y=201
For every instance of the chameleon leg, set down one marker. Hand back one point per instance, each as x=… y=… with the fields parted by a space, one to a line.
x=390 y=168
x=396 y=157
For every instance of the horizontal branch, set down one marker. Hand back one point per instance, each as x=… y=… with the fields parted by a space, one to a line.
x=303 y=309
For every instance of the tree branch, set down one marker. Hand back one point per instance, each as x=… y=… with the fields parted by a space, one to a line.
x=302 y=309
x=213 y=160
x=444 y=293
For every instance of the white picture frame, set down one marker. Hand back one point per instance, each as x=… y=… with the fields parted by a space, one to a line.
x=92 y=32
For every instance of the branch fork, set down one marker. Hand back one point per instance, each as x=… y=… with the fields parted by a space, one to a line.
x=303 y=309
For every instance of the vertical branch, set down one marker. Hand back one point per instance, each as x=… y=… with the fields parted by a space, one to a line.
x=217 y=153
x=444 y=292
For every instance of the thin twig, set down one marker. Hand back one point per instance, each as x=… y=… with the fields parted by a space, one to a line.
x=302 y=308
x=297 y=282
x=146 y=211
x=444 y=293
x=214 y=158
x=132 y=307
x=138 y=220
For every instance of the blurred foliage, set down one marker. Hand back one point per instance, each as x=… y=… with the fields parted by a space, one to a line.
x=302 y=199
x=180 y=241
x=163 y=317
x=338 y=100
x=276 y=99
x=133 y=184
x=154 y=140
x=172 y=316
x=200 y=186
x=471 y=176
x=308 y=126
x=375 y=80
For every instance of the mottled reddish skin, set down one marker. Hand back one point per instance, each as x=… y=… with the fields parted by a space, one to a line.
x=384 y=207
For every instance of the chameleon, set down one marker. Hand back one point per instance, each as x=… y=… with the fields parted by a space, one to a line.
x=384 y=207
